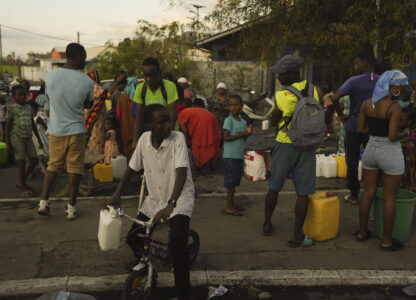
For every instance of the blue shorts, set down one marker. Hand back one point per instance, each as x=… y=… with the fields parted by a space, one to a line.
x=234 y=169
x=287 y=159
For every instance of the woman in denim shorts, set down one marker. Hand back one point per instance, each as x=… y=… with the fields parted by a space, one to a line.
x=380 y=117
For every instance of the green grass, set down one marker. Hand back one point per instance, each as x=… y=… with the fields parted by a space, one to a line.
x=12 y=70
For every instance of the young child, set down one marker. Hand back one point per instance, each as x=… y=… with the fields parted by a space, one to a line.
x=235 y=132
x=111 y=147
x=19 y=126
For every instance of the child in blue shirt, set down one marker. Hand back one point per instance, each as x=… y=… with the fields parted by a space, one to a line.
x=235 y=132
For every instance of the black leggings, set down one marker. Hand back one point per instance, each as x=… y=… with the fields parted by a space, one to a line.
x=178 y=238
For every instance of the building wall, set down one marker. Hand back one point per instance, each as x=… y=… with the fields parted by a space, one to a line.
x=56 y=55
x=37 y=73
x=32 y=73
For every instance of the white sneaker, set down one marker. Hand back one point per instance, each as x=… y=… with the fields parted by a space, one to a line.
x=43 y=209
x=71 y=212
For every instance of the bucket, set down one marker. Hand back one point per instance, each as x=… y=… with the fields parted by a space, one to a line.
x=405 y=204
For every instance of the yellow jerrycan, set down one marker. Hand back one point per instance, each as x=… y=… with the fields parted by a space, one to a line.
x=341 y=166
x=322 y=219
x=103 y=172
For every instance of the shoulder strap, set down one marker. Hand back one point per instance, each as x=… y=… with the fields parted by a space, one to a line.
x=294 y=91
x=163 y=90
x=388 y=109
x=311 y=89
x=143 y=94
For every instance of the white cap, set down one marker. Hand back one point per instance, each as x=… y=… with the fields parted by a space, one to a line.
x=221 y=85
x=183 y=80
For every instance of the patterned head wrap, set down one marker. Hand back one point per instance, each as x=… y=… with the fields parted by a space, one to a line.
x=392 y=77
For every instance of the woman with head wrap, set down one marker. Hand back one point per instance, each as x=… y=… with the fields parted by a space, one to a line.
x=124 y=115
x=95 y=116
x=380 y=117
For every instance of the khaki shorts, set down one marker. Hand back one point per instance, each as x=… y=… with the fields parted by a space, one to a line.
x=23 y=147
x=69 y=149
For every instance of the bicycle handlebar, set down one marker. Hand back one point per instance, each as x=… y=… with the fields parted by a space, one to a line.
x=147 y=224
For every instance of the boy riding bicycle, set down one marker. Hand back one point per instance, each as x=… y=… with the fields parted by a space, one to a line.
x=162 y=154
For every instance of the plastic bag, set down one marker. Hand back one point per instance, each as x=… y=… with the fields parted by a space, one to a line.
x=255 y=166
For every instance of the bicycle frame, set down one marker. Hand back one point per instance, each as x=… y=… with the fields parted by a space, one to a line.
x=145 y=260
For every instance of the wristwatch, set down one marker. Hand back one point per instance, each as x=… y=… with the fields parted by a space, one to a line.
x=173 y=202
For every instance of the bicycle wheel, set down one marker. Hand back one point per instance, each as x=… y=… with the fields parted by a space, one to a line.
x=135 y=285
x=193 y=245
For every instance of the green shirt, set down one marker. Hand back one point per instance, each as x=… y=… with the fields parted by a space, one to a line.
x=43 y=101
x=22 y=117
x=157 y=97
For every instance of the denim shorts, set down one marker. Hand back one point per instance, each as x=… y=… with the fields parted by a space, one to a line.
x=234 y=169
x=382 y=154
x=288 y=159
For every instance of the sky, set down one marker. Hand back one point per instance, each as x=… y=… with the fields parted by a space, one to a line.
x=97 y=20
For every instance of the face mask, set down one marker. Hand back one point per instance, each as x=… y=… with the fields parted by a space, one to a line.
x=404 y=104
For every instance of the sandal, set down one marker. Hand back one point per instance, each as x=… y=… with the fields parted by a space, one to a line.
x=307 y=242
x=395 y=246
x=364 y=238
x=234 y=212
x=240 y=208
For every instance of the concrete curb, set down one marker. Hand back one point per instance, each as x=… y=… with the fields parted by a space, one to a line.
x=228 y=278
x=209 y=195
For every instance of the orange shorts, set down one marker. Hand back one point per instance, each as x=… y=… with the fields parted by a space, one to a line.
x=67 y=149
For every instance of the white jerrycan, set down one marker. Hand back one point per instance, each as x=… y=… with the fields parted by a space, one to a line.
x=329 y=169
x=119 y=166
x=109 y=230
x=319 y=163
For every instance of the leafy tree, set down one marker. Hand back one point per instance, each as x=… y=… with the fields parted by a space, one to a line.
x=166 y=43
x=324 y=30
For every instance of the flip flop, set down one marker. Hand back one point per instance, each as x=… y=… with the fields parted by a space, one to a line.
x=363 y=239
x=307 y=242
x=240 y=208
x=395 y=246
x=235 y=213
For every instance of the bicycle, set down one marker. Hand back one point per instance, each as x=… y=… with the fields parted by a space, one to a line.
x=142 y=281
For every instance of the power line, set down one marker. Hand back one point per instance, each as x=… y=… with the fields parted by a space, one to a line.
x=47 y=36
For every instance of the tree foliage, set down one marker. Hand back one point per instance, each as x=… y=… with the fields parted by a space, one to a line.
x=166 y=43
x=325 y=30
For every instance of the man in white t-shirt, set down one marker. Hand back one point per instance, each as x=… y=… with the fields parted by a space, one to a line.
x=163 y=155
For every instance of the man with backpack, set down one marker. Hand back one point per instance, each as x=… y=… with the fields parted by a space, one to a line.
x=301 y=127
x=154 y=90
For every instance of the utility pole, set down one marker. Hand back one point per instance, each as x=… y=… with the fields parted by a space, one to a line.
x=197 y=25
x=78 y=37
x=1 y=55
